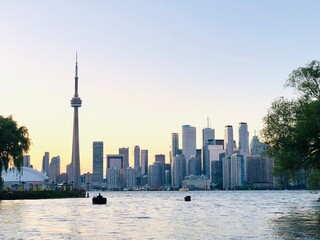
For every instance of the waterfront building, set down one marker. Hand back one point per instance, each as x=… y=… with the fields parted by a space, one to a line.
x=130 y=178
x=216 y=173
x=144 y=162
x=160 y=160
x=194 y=166
x=259 y=172
x=208 y=137
x=179 y=170
x=97 y=162
x=75 y=159
x=54 y=169
x=144 y=180
x=244 y=143
x=45 y=163
x=125 y=152
x=27 y=179
x=167 y=174
x=216 y=153
x=233 y=172
x=26 y=161
x=113 y=179
x=174 y=145
x=174 y=149
x=228 y=140
x=116 y=161
x=156 y=175
x=189 y=144
x=136 y=159
x=193 y=182
x=86 y=181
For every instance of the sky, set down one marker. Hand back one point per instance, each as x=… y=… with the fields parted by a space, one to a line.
x=146 y=68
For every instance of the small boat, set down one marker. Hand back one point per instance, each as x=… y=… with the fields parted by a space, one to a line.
x=187 y=198
x=99 y=200
x=183 y=189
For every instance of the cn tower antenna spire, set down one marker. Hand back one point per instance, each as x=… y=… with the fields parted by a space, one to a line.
x=76 y=77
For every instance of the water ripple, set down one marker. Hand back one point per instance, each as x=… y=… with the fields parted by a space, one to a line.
x=165 y=215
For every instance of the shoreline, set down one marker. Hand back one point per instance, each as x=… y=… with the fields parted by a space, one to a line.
x=45 y=194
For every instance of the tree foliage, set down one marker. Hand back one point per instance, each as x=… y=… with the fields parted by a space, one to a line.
x=292 y=127
x=14 y=142
x=306 y=80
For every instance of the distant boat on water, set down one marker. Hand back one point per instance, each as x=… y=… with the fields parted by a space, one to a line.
x=99 y=200
x=183 y=189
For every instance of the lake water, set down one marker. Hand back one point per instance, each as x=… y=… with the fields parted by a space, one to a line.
x=165 y=215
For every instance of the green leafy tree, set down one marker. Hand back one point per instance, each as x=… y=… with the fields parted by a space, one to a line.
x=292 y=127
x=14 y=142
x=306 y=80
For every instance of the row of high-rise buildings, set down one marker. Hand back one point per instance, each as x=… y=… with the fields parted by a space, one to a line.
x=219 y=163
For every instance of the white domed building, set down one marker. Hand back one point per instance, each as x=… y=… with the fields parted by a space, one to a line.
x=28 y=178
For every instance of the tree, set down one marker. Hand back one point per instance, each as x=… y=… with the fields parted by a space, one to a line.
x=306 y=80
x=14 y=142
x=292 y=127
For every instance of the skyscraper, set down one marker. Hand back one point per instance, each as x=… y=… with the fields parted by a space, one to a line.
x=137 y=158
x=207 y=133
x=174 y=144
x=233 y=171
x=75 y=160
x=174 y=150
x=243 y=138
x=259 y=171
x=144 y=162
x=115 y=161
x=45 y=163
x=130 y=178
x=55 y=168
x=156 y=172
x=97 y=162
x=228 y=140
x=178 y=170
x=189 y=148
x=125 y=152
x=207 y=138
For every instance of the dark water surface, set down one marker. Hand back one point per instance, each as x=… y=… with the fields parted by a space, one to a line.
x=165 y=215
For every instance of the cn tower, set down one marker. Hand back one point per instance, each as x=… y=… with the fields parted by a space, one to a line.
x=75 y=162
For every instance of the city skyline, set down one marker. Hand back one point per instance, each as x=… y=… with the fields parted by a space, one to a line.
x=147 y=68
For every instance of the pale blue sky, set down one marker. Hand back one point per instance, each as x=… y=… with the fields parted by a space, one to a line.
x=147 y=67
